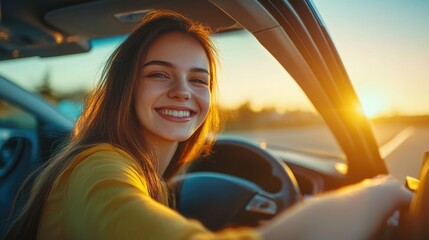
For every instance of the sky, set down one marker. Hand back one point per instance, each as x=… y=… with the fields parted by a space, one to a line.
x=384 y=45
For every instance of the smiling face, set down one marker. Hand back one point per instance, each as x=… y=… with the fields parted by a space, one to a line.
x=173 y=93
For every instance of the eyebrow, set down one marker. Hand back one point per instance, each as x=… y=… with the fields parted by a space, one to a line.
x=171 y=65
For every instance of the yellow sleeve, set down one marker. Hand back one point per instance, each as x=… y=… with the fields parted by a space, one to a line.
x=106 y=198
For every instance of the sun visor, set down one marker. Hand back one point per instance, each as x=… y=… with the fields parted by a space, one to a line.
x=108 y=18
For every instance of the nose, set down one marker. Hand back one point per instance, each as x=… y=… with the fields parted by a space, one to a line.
x=180 y=90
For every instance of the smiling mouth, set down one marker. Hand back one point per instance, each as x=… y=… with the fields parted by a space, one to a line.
x=176 y=113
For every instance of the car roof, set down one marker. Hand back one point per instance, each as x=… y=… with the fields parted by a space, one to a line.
x=57 y=27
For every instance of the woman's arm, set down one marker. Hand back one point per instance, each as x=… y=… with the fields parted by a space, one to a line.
x=106 y=198
x=354 y=212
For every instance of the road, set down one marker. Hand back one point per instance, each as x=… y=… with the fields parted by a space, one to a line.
x=401 y=146
x=403 y=153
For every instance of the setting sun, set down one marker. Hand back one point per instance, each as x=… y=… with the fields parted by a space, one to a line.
x=373 y=105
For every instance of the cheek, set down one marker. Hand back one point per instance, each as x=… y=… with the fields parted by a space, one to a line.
x=143 y=100
x=205 y=102
x=139 y=98
x=145 y=94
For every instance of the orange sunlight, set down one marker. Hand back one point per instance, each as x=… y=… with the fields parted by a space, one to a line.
x=374 y=104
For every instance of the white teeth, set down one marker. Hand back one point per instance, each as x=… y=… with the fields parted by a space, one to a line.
x=176 y=113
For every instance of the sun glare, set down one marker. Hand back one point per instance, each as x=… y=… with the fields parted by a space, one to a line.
x=373 y=105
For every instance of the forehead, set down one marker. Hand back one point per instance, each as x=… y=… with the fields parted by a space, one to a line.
x=178 y=48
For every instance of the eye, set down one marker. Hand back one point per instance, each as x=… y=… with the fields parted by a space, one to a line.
x=157 y=75
x=200 y=81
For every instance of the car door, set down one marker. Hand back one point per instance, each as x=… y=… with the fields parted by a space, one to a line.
x=30 y=130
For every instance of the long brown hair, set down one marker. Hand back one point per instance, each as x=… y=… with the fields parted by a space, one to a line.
x=109 y=117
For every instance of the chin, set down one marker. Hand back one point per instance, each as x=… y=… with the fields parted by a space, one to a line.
x=175 y=135
x=178 y=138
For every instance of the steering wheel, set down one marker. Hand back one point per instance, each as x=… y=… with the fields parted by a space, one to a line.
x=415 y=224
x=239 y=184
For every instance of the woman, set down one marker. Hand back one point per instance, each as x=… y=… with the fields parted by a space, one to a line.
x=152 y=112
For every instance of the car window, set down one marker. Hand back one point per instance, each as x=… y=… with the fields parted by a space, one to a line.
x=261 y=101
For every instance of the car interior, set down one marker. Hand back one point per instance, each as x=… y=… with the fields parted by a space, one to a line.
x=256 y=182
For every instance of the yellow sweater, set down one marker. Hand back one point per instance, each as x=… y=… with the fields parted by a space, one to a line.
x=102 y=196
